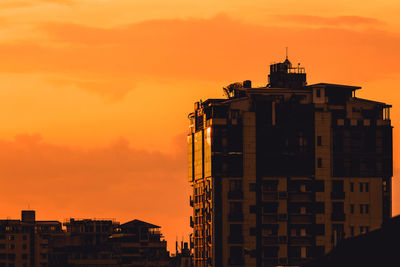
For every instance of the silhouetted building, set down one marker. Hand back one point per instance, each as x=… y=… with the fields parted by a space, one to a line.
x=83 y=243
x=282 y=173
x=86 y=243
x=138 y=243
x=376 y=248
x=182 y=257
x=25 y=242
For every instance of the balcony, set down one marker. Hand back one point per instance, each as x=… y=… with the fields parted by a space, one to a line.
x=235 y=194
x=282 y=217
x=301 y=196
x=269 y=196
x=338 y=195
x=235 y=217
x=301 y=218
x=283 y=195
x=235 y=239
x=282 y=239
x=236 y=261
x=338 y=217
x=266 y=219
x=301 y=239
x=270 y=239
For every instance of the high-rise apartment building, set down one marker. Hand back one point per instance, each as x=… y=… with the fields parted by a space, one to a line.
x=282 y=173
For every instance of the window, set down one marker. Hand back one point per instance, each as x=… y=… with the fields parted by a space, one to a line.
x=252 y=187
x=337 y=186
x=319 y=140
x=351 y=187
x=235 y=185
x=253 y=209
x=352 y=208
x=270 y=186
x=253 y=231
x=235 y=233
x=271 y=252
x=364 y=187
x=364 y=208
x=236 y=255
x=318 y=92
x=319 y=207
x=24 y=246
x=235 y=209
x=319 y=186
x=319 y=162
x=352 y=230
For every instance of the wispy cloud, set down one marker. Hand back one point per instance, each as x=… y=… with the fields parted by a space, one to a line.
x=330 y=21
x=7 y=4
x=65 y=181
x=215 y=49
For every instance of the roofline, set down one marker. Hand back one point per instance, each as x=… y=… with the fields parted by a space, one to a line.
x=335 y=85
x=372 y=101
x=149 y=225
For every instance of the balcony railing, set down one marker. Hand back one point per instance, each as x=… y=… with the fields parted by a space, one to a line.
x=269 y=219
x=300 y=239
x=338 y=195
x=338 y=217
x=235 y=239
x=301 y=218
x=236 y=261
x=235 y=217
x=301 y=196
x=270 y=239
x=235 y=194
x=269 y=196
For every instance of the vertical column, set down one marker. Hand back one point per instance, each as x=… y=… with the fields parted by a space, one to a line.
x=323 y=171
x=249 y=190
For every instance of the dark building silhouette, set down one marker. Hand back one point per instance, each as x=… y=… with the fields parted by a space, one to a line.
x=25 y=242
x=183 y=256
x=376 y=248
x=83 y=243
x=282 y=173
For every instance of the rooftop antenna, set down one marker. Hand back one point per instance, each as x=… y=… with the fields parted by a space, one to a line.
x=286 y=52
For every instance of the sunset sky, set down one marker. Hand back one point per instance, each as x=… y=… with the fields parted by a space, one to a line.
x=95 y=93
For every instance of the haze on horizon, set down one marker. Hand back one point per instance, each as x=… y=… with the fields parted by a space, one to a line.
x=95 y=94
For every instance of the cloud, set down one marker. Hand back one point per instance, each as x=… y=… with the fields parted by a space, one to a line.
x=112 y=181
x=216 y=49
x=113 y=89
x=330 y=21
x=27 y=4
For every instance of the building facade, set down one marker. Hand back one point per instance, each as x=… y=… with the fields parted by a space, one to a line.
x=25 y=242
x=282 y=173
x=81 y=243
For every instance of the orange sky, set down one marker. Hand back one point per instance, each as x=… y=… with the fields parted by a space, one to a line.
x=95 y=93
